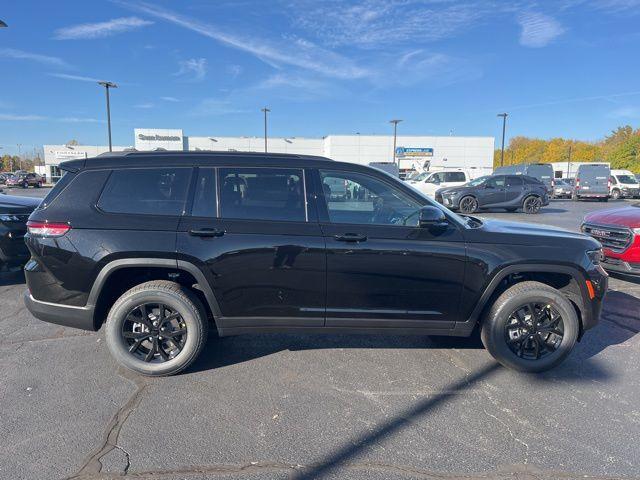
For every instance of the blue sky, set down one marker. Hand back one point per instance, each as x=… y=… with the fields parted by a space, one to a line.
x=560 y=68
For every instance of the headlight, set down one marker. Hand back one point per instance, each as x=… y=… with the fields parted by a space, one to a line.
x=596 y=256
x=9 y=218
x=636 y=231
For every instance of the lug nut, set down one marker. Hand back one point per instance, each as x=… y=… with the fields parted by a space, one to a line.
x=151 y=339
x=159 y=338
x=155 y=324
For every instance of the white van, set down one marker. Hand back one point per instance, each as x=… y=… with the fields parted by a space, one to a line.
x=623 y=184
x=429 y=182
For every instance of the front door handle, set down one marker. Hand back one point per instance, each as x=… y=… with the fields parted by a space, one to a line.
x=350 y=237
x=207 y=232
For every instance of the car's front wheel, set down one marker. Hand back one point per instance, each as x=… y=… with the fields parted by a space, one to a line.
x=531 y=327
x=468 y=204
x=615 y=194
x=156 y=328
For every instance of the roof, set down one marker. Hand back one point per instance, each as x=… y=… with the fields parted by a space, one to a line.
x=203 y=158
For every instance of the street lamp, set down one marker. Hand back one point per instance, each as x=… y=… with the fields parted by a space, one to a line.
x=395 y=131
x=504 y=126
x=107 y=86
x=265 y=110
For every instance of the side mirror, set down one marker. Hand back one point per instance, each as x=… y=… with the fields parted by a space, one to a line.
x=432 y=217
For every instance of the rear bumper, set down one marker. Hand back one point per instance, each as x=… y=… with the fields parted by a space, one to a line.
x=76 y=317
x=588 y=194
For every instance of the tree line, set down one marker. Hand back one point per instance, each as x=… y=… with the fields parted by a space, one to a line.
x=11 y=163
x=621 y=148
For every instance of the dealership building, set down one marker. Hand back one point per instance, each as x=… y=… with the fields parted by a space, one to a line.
x=412 y=152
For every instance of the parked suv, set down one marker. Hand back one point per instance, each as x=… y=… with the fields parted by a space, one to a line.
x=25 y=180
x=542 y=172
x=618 y=230
x=496 y=191
x=165 y=245
x=429 y=182
x=14 y=212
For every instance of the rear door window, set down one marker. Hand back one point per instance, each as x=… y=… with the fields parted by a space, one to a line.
x=146 y=191
x=262 y=194
x=455 y=177
x=514 y=181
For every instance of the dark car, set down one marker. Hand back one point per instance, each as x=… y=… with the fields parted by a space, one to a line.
x=543 y=172
x=14 y=212
x=165 y=245
x=25 y=180
x=510 y=192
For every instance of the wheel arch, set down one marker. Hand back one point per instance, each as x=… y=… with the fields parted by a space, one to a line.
x=567 y=279
x=119 y=275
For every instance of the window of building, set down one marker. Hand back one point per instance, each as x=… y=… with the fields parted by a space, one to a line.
x=262 y=194
x=360 y=199
x=149 y=191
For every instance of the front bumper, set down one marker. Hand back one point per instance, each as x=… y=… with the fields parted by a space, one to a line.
x=618 y=265
x=76 y=317
x=629 y=192
x=593 y=306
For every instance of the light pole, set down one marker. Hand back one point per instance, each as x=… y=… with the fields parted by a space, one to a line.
x=20 y=155
x=265 y=110
x=107 y=86
x=504 y=126
x=395 y=131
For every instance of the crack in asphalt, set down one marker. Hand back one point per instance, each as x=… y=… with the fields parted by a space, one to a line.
x=92 y=466
x=298 y=471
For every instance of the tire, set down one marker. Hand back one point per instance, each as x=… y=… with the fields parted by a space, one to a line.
x=498 y=327
x=191 y=318
x=615 y=194
x=468 y=204
x=25 y=185
x=531 y=204
x=574 y=197
x=39 y=185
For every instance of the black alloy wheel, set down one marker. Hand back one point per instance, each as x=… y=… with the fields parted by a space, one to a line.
x=468 y=204
x=532 y=205
x=534 y=331
x=154 y=332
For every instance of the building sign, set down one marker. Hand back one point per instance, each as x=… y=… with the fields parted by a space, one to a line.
x=414 y=152
x=147 y=139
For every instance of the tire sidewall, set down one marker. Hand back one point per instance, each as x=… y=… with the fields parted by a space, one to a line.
x=472 y=210
x=493 y=332
x=117 y=344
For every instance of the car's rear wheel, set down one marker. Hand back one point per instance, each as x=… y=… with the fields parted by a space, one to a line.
x=468 y=204
x=531 y=327
x=615 y=194
x=25 y=185
x=39 y=185
x=532 y=204
x=156 y=328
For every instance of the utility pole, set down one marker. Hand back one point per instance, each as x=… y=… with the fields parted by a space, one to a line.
x=20 y=155
x=107 y=86
x=569 y=161
x=265 y=110
x=395 y=132
x=504 y=126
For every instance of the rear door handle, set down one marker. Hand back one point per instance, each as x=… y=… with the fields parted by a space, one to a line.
x=350 y=237
x=207 y=232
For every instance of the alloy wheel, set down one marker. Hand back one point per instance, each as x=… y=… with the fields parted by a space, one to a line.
x=468 y=205
x=534 y=331
x=532 y=205
x=154 y=332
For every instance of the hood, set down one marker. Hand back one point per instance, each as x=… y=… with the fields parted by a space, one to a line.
x=15 y=204
x=459 y=188
x=517 y=233
x=628 y=216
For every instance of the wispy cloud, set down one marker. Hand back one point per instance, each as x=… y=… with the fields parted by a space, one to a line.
x=78 y=78
x=34 y=57
x=538 y=30
x=627 y=112
x=234 y=70
x=561 y=101
x=144 y=105
x=79 y=120
x=21 y=118
x=292 y=51
x=100 y=29
x=215 y=107
x=194 y=69
x=170 y=99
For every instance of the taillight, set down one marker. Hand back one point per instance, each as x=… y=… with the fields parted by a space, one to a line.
x=553 y=183
x=577 y=183
x=47 y=229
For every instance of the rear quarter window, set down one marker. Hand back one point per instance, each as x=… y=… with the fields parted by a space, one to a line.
x=146 y=191
x=59 y=186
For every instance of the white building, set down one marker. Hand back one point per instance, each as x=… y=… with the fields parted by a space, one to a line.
x=412 y=152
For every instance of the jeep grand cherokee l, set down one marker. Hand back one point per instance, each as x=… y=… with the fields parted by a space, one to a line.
x=166 y=244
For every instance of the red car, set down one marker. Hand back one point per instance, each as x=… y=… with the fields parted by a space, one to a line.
x=618 y=230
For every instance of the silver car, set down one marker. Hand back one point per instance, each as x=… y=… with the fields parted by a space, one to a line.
x=561 y=189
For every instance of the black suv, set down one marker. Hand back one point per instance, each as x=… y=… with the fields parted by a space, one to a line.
x=166 y=244
x=510 y=192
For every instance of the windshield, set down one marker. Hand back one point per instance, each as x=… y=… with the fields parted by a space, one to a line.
x=420 y=176
x=626 y=179
x=478 y=181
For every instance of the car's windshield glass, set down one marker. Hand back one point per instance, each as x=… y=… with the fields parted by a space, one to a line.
x=626 y=179
x=478 y=181
x=420 y=176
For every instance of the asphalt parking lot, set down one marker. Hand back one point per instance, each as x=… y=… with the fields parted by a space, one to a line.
x=307 y=407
